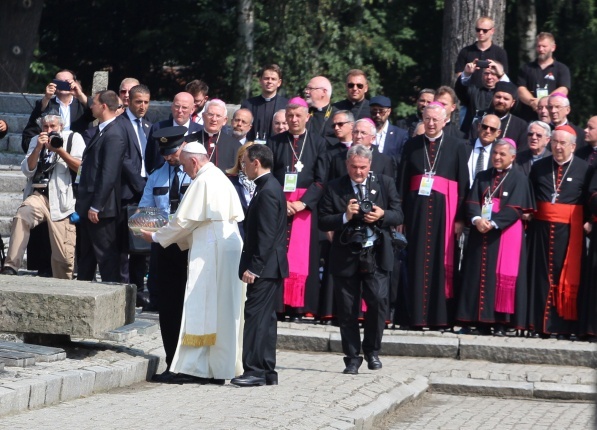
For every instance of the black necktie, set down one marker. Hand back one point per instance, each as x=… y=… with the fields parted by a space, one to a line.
x=362 y=191
x=480 y=161
x=174 y=191
x=142 y=137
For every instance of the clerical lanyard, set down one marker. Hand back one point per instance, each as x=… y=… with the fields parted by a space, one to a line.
x=507 y=125
x=488 y=203
x=556 y=188
x=298 y=167
x=211 y=144
x=427 y=180
x=328 y=112
x=291 y=178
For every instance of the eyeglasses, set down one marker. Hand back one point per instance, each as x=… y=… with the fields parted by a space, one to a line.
x=488 y=127
x=532 y=133
x=340 y=124
x=483 y=30
x=361 y=133
x=124 y=91
x=214 y=115
x=375 y=112
x=309 y=89
x=352 y=85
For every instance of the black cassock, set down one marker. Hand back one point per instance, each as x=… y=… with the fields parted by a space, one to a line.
x=311 y=148
x=221 y=149
x=548 y=241
x=424 y=300
x=263 y=112
x=477 y=300
x=587 y=301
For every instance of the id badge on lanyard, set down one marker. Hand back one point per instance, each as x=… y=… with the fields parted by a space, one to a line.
x=486 y=210
x=290 y=181
x=426 y=185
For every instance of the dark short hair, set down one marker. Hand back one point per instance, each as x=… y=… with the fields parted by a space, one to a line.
x=261 y=153
x=139 y=89
x=197 y=86
x=110 y=99
x=272 y=68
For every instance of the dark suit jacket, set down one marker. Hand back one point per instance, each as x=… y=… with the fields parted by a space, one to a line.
x=264 y=249
x=332 y=207
x=395 y=140
x=524 y=158
x=133 y=183
x=360 y=110
x=254 y=104
x=153 y=159
x=99 y=185
x=80 y=117
x=380 y=164
x=240 y=190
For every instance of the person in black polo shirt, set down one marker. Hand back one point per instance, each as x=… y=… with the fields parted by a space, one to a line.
x=541 y=77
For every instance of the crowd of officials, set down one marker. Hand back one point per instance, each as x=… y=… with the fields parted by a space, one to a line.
x=482 y=217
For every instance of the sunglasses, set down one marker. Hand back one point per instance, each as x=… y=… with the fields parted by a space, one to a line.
x=359 y=86
x=488 y=127
x=483 y=30
x=341 y=124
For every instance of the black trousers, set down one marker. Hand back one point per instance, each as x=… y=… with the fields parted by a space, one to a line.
x=132 y=266
x=374 y=289
x=99 y=246
x=260 y=332
x=171 y=281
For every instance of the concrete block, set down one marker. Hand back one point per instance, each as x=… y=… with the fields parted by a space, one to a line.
x=467 y=386
x=13 y=181
x=16 y=358
x=106 y=378
x=529 y=351
x=336 y=342
x=43 y=354
x=75 y=384
x=420 y=346
x=37 y=396
x=10 y=202
x=303 y=341
x=8 y=398
x=53 y=388
x=58 y=306
x=22 y=389
x=549 y=390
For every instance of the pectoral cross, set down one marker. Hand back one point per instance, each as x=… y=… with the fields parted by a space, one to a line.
x=554 y=196
x=299 y=166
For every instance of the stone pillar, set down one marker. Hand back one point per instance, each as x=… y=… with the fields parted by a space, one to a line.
x=100 y=82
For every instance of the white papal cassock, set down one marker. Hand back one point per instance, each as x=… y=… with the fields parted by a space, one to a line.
x=210 y=339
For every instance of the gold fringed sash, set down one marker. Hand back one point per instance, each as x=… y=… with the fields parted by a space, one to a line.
x=198 y=341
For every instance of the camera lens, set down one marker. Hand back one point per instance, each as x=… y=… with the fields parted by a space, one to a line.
x=55 y=140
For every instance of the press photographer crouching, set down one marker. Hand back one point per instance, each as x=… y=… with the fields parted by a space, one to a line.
x=360 y=208
x=52 y=160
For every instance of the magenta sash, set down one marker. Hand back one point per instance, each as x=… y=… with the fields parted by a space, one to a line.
x=506 y=272
x=298 y=253
x=449 y=189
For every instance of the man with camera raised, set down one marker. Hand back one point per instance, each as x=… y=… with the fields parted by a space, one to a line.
x=51 y=158
x=360 y=208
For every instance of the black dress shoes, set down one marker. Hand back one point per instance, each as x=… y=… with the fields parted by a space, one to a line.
x=175 y=378
x=7 y=270
x=271 y=379
x=373 y=361
x=352 y=365
x=248 y=381
x=163 y=378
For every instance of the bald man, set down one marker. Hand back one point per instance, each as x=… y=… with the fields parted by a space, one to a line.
x=318 y=94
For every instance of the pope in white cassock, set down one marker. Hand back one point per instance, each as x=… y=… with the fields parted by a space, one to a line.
x=210 y=339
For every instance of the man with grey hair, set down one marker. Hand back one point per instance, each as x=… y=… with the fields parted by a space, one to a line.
x=205 y=223
x=363 y=133
x=558 y=107
x=279 y=124
x=434 y=182
x=493 y=291
x=318 y=94
x=361 y=257
x=51 y=161
x=538 y=134
x=242 y=122
x=555 y=236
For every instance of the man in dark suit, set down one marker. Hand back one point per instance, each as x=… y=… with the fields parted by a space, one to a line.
x=98 y=200
x=389 y=139
x=355 y=101
x=182 y=107
x=539 y=134
x=135 y=129
x=362 y=256
x=263 y=266
x=589 y=151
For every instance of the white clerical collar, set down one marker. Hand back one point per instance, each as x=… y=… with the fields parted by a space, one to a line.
x=268 y=99
x=433 y=139
x=504 y=117
x=507 y=168
x=297 y=136
x=564 y=162
x=347 y=144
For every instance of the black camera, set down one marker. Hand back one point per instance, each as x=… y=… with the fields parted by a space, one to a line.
x=356 y=236
x=55 y=139
x=365 y=206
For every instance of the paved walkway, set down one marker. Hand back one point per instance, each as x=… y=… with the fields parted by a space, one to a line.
x=313 y=393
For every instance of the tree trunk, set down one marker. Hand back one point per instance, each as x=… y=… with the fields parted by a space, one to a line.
x=244 y=59
x=526 y=22
x=19 y=23
x=460 y=17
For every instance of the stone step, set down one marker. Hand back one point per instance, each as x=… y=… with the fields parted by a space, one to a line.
x=13 y=157
x=9 y=203
x=17 y=358
x=13 y=180
x=42 y=353
x=5 y=222
x=16 y=121
x=16 y=103
x=130 y=330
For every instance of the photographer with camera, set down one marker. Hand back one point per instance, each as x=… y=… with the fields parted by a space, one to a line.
x=360 y=208
x=52 y=159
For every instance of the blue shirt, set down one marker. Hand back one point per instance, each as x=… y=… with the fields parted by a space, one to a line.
x=157 y=188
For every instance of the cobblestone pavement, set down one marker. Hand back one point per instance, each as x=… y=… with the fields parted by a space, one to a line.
x=439 y=411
